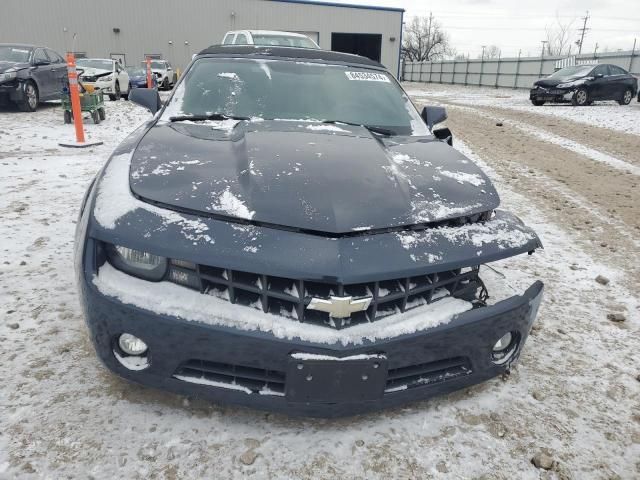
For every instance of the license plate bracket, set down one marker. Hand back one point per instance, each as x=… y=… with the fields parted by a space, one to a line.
x=332 y=380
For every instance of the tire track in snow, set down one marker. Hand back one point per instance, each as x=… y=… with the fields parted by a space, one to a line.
x=566 y=143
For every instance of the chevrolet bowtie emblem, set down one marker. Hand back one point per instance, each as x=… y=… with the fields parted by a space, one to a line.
x=339 y=307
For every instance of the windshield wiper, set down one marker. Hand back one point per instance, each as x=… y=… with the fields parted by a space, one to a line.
x=371 y=128
x=211 y=116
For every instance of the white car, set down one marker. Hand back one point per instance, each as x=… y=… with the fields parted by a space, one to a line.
x=268 y=37
x=106 y=74
x=165 y=76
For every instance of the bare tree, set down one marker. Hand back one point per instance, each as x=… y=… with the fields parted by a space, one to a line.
x=425 y=40
x=559 y=36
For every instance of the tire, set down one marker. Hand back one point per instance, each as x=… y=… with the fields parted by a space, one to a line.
x=102 y=113
x=580 y=98
x=626 y=98
x=67 y=117
x=115 y=97
x=165 y=83
x=95 y=116
x=537 y=103
x=31 y=100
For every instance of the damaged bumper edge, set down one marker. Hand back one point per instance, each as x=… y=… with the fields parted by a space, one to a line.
x=260 y=370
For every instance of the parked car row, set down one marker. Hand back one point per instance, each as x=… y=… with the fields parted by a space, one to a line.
x=31 y=74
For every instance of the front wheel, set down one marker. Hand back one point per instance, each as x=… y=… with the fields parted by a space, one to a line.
x=165 y=83
x=67 y=117
x=115 y=96
x=102 y=113
x=626 y=97
x=95 y=116
x=29 y=103
x=580 y=98
x=537 y=103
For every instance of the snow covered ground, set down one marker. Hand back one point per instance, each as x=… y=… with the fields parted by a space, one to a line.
x=575 y=394
x=604 y=114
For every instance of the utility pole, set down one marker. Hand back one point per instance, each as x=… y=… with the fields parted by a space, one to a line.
x=544 y=43
x=582 y=32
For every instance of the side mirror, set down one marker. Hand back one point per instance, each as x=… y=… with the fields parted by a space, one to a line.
x=149 y=98
x=433 y=115
x=40 y=63
x=444 y=134
x=599 y=75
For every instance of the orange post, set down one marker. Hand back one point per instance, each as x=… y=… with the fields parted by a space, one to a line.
x=149 y=80
x=75 y=97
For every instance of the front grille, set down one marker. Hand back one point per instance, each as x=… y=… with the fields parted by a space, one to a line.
x=272 y=382
x=254 y=380
x=427 y=374
x=290 y=297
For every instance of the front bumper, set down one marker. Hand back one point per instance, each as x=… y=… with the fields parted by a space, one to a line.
x=105 y=87
x=12 y=90
x=253 y=368
x=556 y=95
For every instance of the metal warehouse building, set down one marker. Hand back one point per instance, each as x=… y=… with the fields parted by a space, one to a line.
x=176 y=29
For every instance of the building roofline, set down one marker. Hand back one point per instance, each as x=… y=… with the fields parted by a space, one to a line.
x=342 y=5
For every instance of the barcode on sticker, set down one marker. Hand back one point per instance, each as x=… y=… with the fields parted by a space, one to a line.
x=367 y=76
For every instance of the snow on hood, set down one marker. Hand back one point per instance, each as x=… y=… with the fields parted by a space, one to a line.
x=165 y=298
x=114 y=200
x=326 y=178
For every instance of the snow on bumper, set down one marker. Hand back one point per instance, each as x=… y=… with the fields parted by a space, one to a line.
x=266 y=370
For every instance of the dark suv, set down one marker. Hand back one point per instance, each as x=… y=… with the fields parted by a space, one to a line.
x=583 y=84
x=30 y=75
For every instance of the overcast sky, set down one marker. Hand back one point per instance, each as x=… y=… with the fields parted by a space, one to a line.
x=515 y=25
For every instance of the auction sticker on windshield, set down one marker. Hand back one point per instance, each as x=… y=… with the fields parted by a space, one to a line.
x=367 y=76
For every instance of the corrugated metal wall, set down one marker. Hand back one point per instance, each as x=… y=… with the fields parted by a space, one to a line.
x=147 y=26
x=505 y=72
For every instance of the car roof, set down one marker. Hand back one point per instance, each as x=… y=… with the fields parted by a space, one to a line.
x=269 y=33
x=289 y=52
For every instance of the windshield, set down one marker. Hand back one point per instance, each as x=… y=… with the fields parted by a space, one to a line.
x=577 y=71
x=14 y=54
x=93 y=63
x=136 y=71
x=289 y=90
x=283 y=41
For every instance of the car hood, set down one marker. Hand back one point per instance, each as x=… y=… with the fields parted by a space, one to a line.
x=93 y=72
x=4 y=66
x=552 y=82
x=309 y=176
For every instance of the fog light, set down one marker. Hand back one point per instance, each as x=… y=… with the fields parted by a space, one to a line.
x=505 y=348
x=503 y=343
x=131 y=345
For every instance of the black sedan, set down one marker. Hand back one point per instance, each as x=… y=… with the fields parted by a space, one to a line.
x=583 y=84
x=30 y=75
x=289 y=233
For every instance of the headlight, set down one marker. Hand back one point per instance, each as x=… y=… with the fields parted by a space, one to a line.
x=138 y=263
x=7 y=76
x=108 y=78
x=575 y=83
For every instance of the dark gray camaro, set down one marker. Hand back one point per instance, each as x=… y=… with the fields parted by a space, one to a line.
x=289 y=233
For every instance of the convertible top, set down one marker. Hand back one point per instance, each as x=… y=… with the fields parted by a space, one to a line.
x=290 y=52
